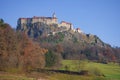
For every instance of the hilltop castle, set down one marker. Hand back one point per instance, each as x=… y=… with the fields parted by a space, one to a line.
x=48 y=21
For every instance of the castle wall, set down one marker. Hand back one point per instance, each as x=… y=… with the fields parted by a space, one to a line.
x=29 y=20
x=35 y=19
x=47 y=20
x=51 y=21
x=66 y=24
x=22 y=21
x=54 y=20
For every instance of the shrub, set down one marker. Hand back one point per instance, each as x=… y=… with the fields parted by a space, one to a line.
x=50 y=59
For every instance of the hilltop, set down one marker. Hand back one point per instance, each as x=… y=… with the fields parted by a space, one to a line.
x=35 y=26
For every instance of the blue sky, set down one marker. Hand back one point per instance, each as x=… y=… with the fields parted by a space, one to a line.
x=99 y=17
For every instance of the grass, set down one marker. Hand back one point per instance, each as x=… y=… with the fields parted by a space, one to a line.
x=111 y=70
x=14 y=76
x=8 y=76
x=60 y=76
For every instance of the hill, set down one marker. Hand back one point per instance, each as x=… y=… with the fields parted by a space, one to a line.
x=40 y=45
x=64 y=39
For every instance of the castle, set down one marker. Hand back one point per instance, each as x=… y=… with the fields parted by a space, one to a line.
x=46 y=20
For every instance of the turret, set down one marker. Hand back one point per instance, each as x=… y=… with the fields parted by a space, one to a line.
x=54 y=16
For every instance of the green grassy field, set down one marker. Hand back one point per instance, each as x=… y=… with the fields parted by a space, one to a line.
x=111 y=71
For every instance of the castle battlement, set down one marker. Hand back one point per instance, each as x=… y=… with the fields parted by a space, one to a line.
x=47 y=20
x=35 y=19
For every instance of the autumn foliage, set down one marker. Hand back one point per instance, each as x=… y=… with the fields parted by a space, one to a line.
x=18 y=51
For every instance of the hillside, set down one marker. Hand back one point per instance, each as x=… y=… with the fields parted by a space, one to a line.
x=69 y=42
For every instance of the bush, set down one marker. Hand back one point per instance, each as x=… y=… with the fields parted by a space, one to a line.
x=1 y=21
x=50 y=59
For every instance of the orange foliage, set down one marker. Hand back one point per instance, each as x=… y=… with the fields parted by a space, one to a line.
x=33 y=55
x=17 y=50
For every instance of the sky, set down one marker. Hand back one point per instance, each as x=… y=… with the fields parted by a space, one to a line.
x=98 y=17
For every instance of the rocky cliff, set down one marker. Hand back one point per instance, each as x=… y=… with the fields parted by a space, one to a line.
x=41 y=29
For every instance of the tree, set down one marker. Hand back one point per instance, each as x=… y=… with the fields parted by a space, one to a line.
x=31 y=54
x=1 y=21
x=18 y=51
x=58 y=48
x=50 y=59
x=8 y=47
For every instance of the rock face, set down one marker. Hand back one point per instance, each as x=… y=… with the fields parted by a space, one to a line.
x=35 y=30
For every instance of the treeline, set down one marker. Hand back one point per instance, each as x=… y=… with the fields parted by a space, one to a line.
x=17 y=51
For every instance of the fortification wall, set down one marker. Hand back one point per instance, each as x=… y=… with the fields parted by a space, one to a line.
x=35 y=20
x=22 y=21
x=66 y=25
x=47 y=20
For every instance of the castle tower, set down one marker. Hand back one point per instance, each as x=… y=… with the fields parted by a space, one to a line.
x=54 y=16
